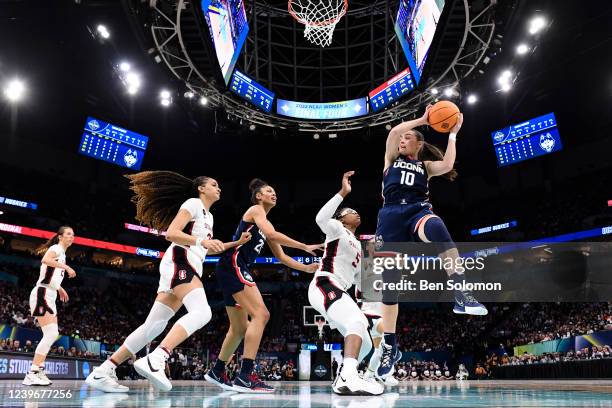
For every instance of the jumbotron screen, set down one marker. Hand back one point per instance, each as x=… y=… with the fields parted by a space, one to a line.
x=228 y=27
x=113 y=144
x=528 y=139
x=415 y=26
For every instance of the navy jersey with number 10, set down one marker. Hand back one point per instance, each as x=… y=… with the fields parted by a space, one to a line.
x=405 y=182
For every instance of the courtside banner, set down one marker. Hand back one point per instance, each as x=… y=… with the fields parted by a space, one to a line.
x=16 y=365
x=491 y=271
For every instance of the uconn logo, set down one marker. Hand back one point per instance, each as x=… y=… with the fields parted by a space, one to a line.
x=400 y=164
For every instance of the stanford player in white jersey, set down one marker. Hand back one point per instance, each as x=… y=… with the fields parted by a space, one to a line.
x=167 y=200
x=43 y=296
x=327 y=291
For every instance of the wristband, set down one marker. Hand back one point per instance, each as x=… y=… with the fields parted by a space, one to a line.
x=453 y=137
x=199 y=241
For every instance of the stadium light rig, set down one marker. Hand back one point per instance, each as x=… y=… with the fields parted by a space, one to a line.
x=14 y=90
x=204 y=101
x=103 y=31
x=522 y=49
x=472 y=99
x=505 y=80
x=165 y=98
x=536 y=24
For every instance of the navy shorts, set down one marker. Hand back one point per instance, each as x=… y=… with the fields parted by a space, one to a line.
x=232 y=277
x=398 y=222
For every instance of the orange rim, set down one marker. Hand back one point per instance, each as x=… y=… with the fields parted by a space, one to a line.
x=321 y=23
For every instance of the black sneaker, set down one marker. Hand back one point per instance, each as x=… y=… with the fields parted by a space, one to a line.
x=220 y=380
x=254 y=385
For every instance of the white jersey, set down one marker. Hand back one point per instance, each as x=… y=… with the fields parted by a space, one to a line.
x=342 y=256
x=51 y=277
x=372 y=307
x=200 y=225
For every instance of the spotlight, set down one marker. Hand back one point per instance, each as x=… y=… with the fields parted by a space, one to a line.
x=388 y=126
x=506 y=87
x=103 y=31
x=449 y=92
x=124 y=66
x=204 y=101
x=333 y=135
x=188 y=95
x=472 y=99
x=133 y=79
x=522 y=49
x=132 y=90
x=1 y=212
x=434 y=91
x=165 y=102
x=316 y=136
x=252 y=127
x=164 y=94
x=14 y=90
x=505 y=77
x=536 y=24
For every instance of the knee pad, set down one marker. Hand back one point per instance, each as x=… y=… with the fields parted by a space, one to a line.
x=156 y=322
x=198 y=311
x=360 y=328
x=50 y=333
x=435 y=231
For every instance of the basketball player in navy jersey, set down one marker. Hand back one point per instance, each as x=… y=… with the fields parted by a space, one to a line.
x=406 y=214
x=168 y=200
x=43 y=296
x=241 y=295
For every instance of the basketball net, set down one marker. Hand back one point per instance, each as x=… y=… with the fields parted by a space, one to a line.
x=320 y=18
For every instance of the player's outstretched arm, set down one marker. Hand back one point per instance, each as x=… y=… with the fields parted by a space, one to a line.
x=324 y=218
x=244 y=238
x=261 y=220
x=393 y=139
x=440 y=167
x=285 y=259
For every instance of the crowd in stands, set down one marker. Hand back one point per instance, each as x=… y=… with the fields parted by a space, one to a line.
x=536 y=322
x=108 y=313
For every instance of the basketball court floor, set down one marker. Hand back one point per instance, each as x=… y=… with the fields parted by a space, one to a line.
x=519 y=393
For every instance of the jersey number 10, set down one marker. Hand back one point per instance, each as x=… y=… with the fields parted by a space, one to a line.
x=407 y=178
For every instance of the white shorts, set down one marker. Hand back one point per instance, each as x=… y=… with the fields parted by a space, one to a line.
x=331 y=301
x=372 y=312
x=178 y=266
x=42 y=300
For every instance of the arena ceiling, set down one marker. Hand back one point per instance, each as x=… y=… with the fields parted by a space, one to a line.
x=364 y=54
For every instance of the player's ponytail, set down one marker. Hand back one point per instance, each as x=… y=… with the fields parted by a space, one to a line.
x=52 y=241
x=255 y=186
x=430 y=152
x=158 y=195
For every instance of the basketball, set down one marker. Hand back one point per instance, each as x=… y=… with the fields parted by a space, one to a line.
x=443 y=116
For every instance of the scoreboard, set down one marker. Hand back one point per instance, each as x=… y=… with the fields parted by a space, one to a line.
x=532 y=138
x=251 y=91
x=392 y=90
x=323 y=111
x=113 y=144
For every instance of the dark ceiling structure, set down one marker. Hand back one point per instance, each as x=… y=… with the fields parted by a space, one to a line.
x=364 y=53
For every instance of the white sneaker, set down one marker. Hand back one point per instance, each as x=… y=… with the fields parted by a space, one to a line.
x=105 y=379
x=391 y=381
x=354 y=385
x=36 y=378
x=153 y=368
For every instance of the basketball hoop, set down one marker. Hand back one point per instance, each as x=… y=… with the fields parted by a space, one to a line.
x=320 y=325
x=320 y=18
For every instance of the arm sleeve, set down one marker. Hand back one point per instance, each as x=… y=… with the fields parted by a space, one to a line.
x=324 y=218
x=191 y=206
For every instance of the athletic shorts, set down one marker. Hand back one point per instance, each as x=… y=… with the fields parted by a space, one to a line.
x=178 y=266
x=232 y=276
x=42 y=300
x=399 y=222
